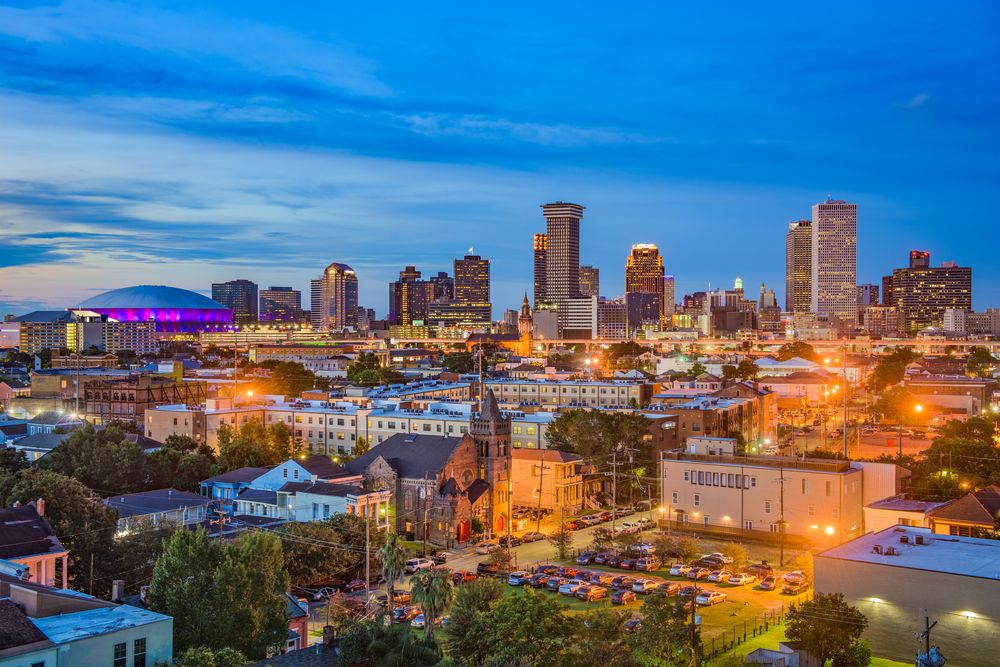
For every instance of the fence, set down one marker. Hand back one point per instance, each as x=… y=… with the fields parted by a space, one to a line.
x=742 y=632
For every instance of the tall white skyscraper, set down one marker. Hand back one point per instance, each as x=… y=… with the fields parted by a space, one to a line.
x=835 y=259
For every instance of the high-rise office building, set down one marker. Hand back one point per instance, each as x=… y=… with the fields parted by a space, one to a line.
x=644 y=274
x=442 y=286
x=334 y=298
x=562 y=258
x=590 y=281
x=472 y=279
x=923 y=292
x=409 y=298
x=541 y=246
x=612 y=319
x=835 y=260
x=868 y=295
x=798 y=267
x=887 y=291
x=669 y=299
x=240 y=296
x=280 y=304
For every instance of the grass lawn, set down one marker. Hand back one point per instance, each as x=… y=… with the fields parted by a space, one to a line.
x=776 y=634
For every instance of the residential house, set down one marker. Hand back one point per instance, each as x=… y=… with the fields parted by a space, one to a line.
x=899 y=511
x=974 y=515
x=49 y=422
x=157 y=508
x=13 y=430
x=38 y=445
x=547 y=479
x=27 y=538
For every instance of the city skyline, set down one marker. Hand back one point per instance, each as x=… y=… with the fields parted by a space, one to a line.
x=325 y=144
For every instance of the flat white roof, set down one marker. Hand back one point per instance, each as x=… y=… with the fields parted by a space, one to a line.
x=950 y=554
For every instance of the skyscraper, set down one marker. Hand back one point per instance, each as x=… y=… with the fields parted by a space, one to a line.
x=541 y=246
x=923 y=292
x=472 y=279
x=798 y=267
x=334 y=298
x=240 y=296
x=280 y=304
x=644 y=274
x=562 y=259
x=409 y=298
x=669 y=299
x=590 y=281
x=442 y=286
x=835 y=259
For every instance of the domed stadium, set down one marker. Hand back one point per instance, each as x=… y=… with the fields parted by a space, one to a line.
x=173 y=309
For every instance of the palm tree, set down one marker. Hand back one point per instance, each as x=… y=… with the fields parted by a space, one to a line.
x=433 y=590
x=393 y=557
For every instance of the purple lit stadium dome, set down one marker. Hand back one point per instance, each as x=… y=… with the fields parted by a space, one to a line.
x=173 y=309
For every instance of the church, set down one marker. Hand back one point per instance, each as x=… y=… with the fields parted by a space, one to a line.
x=439 y=483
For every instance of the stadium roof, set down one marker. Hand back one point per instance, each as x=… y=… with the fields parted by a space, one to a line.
x=151 y=296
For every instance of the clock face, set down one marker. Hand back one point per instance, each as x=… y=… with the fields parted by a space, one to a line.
x=467 y=477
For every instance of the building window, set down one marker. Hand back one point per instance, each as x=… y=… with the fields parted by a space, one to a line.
x=673 y=497
x=767 y=507
x=685 y=475
x=120 y=655
x=803 y=485
x=715 y=479
x=812 y=510
x=139 y=653
x=701 y=477
x=829 y=487
x=295 y=473
x=284 y=473
x=326 y=511
x=697 y=500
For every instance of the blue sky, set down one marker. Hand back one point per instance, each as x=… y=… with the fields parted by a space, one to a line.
x=183 y=143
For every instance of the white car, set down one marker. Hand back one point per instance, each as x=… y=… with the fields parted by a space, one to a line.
x=628 y=527
x=742 y=579
x=643 y=548
x=486 y=547
x=518 y=578
x=570 y=588
x=590 y=519
x=679 y=569
x=419 y=622
x=709 y=598
x=720 y=556
x=415 y=564
x=719 y=576
x=644 y=586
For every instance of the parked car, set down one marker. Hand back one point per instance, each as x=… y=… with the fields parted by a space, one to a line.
x=401 y=597
x=547 y=569
x=405 y=614
x=632 y=624
x=668 y=588
x=769 y=583
x=419 y=621
x=721 y=556
x=742 y=579
x=441 y=557
x=698 y=573
x=602 y=578
x=628 y=527
x=586 y=558
x=463 y=576
x=719 y=576
x=601 y=557
x=415 y=564
x=324 y=593
x=355 y=585
x=607 y=515
x=644 y=586
x=514 y=541
x=760 y=570
x=622 y=596
x=575 y=524
x=487 y=569
x=539 y=580
x=794 y=587
x=590 y=519
x=709 y=598
x=689 y=591
x=613 y=560
x=627 y=564
x=568 y=571
x=622 y=581
x=533 y=536
x=518 y=578
x=709 y=563
x=648 y=564
x=679 y=569
x=642 y=549
x=570 y=588
x=592 y=593
x=554 y=583
x=485 y=547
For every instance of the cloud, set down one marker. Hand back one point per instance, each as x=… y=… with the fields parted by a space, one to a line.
x=917 y=101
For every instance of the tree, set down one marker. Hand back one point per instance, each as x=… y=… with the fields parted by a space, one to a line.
x=602 y=642
x=291 y=378
x=535 y=629
x=222 y=596
x=256 y=445
x=664 y=638
x=206 y=657
x=562 y=539
x=682 y=547
x=433 y=590
x=387 y=646
x=738 y=553
x=729 y=372
x=980 y=363
x=104 y=460
x=697 y=369
x=361 y=445
x=466 y=635
x=895 y=405
x=393 y=557
x=799 y=349
x=747 y=370
x=308 y=558
x=890 y=369
x=11 y=460
x=459 y=362
x=367 y=372
x=826 y=626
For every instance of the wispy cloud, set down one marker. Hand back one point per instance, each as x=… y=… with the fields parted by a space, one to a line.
x=917 y=101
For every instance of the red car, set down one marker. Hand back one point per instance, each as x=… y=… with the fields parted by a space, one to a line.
x=575 y=525
x=463 y=576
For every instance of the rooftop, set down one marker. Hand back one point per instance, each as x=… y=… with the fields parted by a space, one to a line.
x=151 y=296
x=24 y=533
x=789 y=462
x=64 y=628
x=900 y=504
x=588 y=383
x=967 y=556
x=543 y=455
x=150 y=502
x=245 y=475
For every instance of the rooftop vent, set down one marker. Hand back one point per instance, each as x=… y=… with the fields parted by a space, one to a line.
x=904 y=539
x=877 y=549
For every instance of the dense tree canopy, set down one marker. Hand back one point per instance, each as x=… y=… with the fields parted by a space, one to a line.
x=799 y=349
x=459 y=362
x=891 y=369
x=256 y=445
x=828 y=628
x=980 y=363
x=367 y=372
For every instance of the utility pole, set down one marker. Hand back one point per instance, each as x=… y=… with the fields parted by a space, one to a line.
x=427 y=497
x=541 y=475
x=614 y=490
x=368 y=554
x=781 y=514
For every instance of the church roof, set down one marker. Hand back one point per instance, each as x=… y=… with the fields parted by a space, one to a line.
x=490 y=410
x=411 y=455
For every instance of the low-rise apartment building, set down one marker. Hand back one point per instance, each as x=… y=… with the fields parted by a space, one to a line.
x=818 y=500
x=547 y=479
x=572 y=393
x=952 y=393
x=722 y=417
